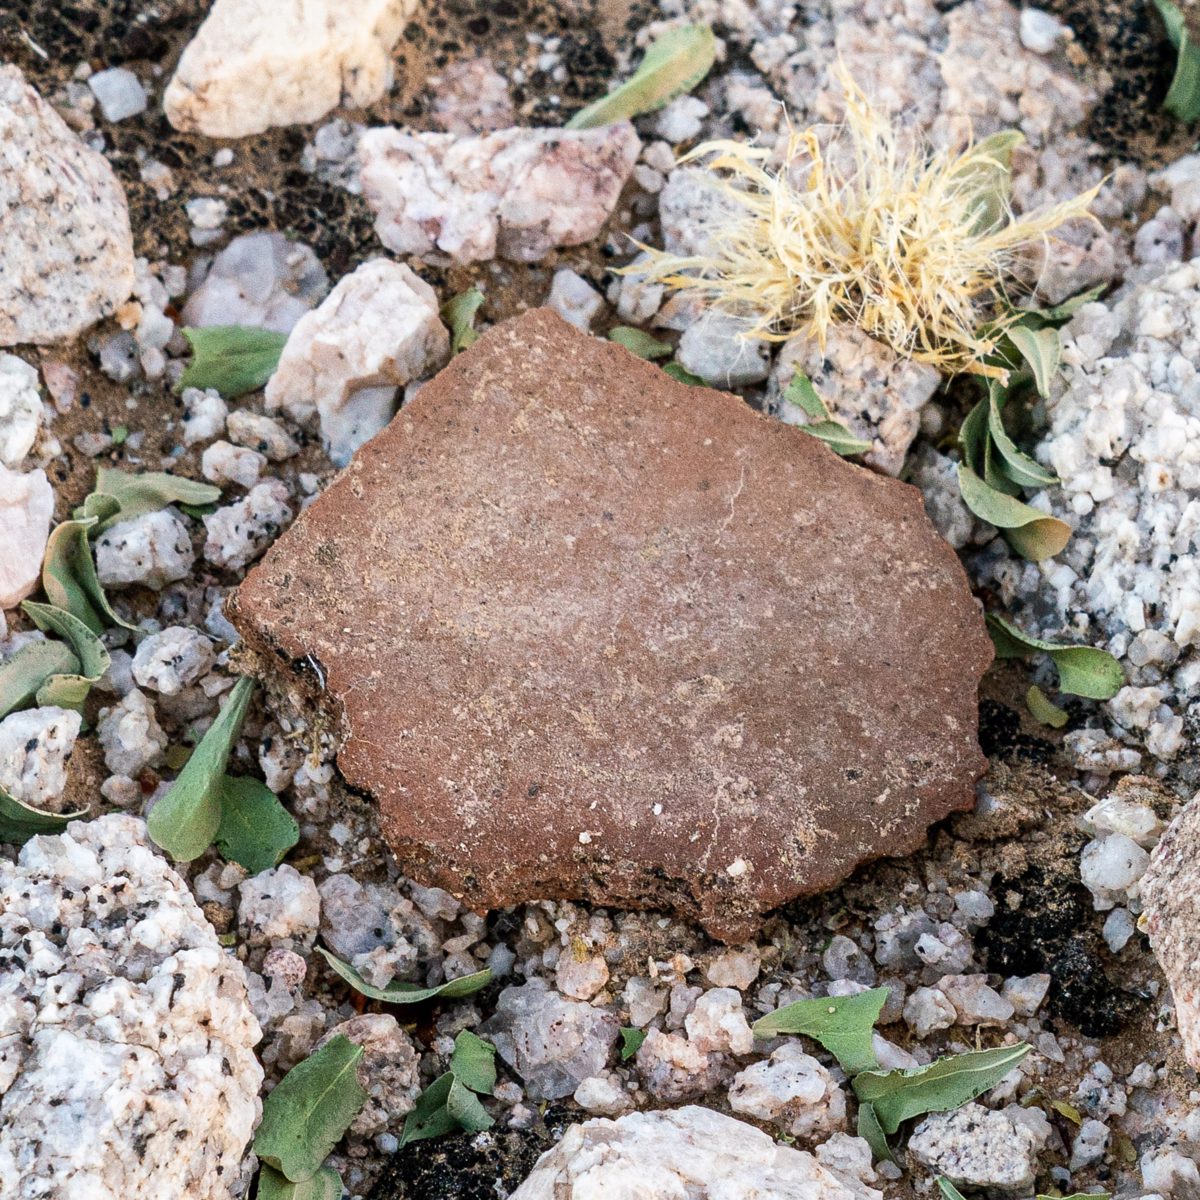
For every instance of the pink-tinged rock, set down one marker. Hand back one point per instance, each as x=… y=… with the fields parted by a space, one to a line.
x=517 y=193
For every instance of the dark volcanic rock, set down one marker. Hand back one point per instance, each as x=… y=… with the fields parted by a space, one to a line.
x=594 y=633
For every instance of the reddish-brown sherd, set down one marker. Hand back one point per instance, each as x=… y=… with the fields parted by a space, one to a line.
x=592 y=633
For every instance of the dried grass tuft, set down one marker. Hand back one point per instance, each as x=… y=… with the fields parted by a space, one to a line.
x=911 y=244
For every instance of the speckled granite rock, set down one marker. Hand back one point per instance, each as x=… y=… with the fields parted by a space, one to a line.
x=690 y=1152
x=127 y=1069
x=258 y=63
x=64 y=224
x=594 y=633
x=1171 y=913
x=517 y=193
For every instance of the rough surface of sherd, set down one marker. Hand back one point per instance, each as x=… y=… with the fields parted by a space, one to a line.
x=594 y=633
x=517 y=193
x=255 y=64
x=127 y=1069
x=689 y=1152
x=1171 y=907
x=64 y=224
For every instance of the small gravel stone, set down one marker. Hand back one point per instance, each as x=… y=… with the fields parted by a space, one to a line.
x=20 y=409
x=261 y=433
x=574 y=299
x=119 y=93
x=240 y=532
x=735 y=968
x=279 y=906
x=673 y=1068
x=793 y=1090
x=206 y=413
x=1110 y=866
x=975 y=1147
x=974 y=1001
x=389 y=1070
x=602 y=1094
x=718 y=1023
x=552 y=1043
x=1088 y=1145
x=1026 y=994
x=224 y=463
x=26 y=509
x=152 y=550
x=34 y=747
x=131 y=735
x=168 y=661
x=927 y=1010
x=715 y=348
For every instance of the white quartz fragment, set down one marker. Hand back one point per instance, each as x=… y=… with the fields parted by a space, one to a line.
x=131 y=735
x=26 y=507
x=153 y=549
x=20 y=409
x=34 y=747
x=238 y=533
x=168 y=661
x=793 y=1090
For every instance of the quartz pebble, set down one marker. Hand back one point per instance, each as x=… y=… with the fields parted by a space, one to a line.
x=517 y=193
x=26 y=508
x=279 y=906
x=20 y=409
x=792 y=1090
x=238 y=533
x=687 y=1152
x=64 y=224
x=254 y=64
x=131 y=736
x=172 y=659
x=378 y=330
x=119 y=93
x=552 y=1043
x=574 y=299
x=975 y=1147
x=389 y=1069
x=128 y=1067
x=152 y=550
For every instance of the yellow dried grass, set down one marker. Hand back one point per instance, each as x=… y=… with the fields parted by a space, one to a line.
x=911 y=244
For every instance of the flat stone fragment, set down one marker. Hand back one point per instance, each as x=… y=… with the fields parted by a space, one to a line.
x=255 y=64
x=64 y=224
x=1171 y=912
x=594 y=633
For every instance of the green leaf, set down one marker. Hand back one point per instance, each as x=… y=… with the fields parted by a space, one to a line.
x=1042 y=350
x=310 y=1109
x=973 y=436
x=445 y=1106
x=800 y=392
x=1082 y=670
x=186 y=820
x=948 y=1190
x=410 y=993
x=837 y=437
x=473 y=1063
x=69 y=690
x=897 y=1096
x=121 y=496
x=1183 y=97
x=1043 y=709
x=256 y=830
x=69 y=577
x=631 y=1041
x=1060 y=314
x=326 y=1184
x=682 y=375
x=844 y=1025
x=638 y=342
x=1031 y=533
x=24 y=675
x=1078 y=1196
x=19 y=822
x=674 y=64
x=987 y=168
x=459 y=313
x=233 y=359
x=1015 y=463
x=871 y=1133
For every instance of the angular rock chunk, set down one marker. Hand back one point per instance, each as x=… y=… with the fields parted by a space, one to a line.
x=343 y=363
x=64 y=224
x=687 y=1152
x=1171 y=904
x=517 y=193
x=594 y=633
x=126 y=1040
x=26 y=506
x=255 y=64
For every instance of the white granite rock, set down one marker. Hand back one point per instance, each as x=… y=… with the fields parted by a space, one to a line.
x=690 y=1153
x=206 y=415
x=131 y=735
x=264 y=434
x=26 y=507
x=718 y=1023
x=20 y=409
x=152 y=550
x=975 y=1147
x=1171 y=912
x=255 y=64
x=552 y=1043
x=127 y=1066
x=377 y=331
x=238 y=533
x=279 y=906
x=876 y=394
x=389 y=1069
x=517 y=193
x=64 y=224
x=574 y=299
x=34 y=747
x=260 y=279
x=168 y=661
x=224 y=463
x=793 y=1090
